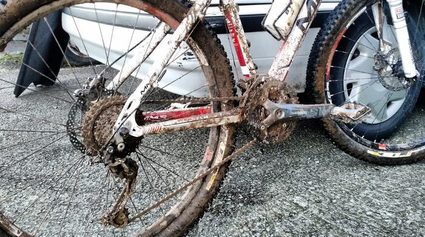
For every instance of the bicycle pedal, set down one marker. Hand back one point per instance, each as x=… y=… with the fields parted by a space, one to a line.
x=349 y=112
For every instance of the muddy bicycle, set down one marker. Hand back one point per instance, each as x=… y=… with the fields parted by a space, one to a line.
x=166 y=154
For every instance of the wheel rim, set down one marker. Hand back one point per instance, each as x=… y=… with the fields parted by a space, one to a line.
x=362 y=83
x=394 y=128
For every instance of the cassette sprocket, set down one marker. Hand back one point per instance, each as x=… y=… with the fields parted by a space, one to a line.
x=99 y=121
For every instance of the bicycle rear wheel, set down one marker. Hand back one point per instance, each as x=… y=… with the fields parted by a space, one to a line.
x=345 y=66
x=49 y=185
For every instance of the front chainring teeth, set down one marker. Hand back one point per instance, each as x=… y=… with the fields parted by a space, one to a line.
x=276 y=91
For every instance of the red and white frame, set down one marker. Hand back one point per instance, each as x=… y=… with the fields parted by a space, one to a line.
x=181 y=119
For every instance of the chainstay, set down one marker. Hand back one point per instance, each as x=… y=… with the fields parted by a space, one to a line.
x=195 y=100
x=194 y=180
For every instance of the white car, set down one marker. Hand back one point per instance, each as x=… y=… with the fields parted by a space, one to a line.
x=94 y=28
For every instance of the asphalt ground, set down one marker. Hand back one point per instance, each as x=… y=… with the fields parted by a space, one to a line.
x=305 y=186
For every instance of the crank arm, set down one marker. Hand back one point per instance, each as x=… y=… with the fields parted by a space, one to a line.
x=193 y=122
x=348 y=113
x=11 y=228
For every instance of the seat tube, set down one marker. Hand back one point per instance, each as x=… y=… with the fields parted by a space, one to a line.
x=239 y=40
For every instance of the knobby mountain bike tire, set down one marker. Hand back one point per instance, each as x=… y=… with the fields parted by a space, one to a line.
x=50 y=186
x=345 y=66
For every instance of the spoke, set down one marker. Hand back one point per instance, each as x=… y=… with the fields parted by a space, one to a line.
x=135 y=208
x=355 y=79
x=154 y=169
x=101 y=34
x=103 y=193
x=379 y=108
x=144 y=171
x=354 y=70
x=113 y=30
x=50 y=69
x=194 y=180
x=82 y=41
x=129 y=48
x=31 y=154
x=365 y=51
x=49 y=188
x=24 y=142
x=7 y=87
x=30 y=131
x=371 y=19
x=31 y=117
x=366 y=93
x=60 y=48
x=384 y=107
x=162 y=107
x=71 y=198
x=135 y=64
x=371 y=41
x=145 y=56
x=37 y=91
x=57 y=195
x=175 y=80
x=173 y=60
x=369 y=47
x=354 y=87
x=126 y=54
x=160 y=151
x=162 y=166
x=360 y=55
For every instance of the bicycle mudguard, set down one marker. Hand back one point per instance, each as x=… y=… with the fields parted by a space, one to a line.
x=41 y=66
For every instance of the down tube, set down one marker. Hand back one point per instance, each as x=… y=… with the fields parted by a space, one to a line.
x=283 y=60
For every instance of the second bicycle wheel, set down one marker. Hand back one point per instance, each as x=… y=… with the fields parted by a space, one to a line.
x=49 y=185
x=346 y=66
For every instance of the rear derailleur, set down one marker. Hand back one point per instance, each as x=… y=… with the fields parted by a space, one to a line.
x=126 y=169
x=100 y=109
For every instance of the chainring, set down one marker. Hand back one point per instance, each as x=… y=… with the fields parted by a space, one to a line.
x=275 y=91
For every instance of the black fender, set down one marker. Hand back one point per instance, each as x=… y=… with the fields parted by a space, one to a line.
x=41 y=63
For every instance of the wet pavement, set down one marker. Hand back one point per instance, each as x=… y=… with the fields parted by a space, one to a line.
x=306 y=186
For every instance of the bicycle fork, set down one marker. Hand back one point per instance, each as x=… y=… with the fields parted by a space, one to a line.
x=401 y=33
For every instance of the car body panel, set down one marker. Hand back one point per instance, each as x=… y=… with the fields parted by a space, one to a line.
x=96 y=30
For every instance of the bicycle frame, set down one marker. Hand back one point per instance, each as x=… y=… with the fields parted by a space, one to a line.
x=175 y=120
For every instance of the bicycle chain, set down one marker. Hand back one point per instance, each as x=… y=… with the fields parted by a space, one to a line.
x=102 y=114
x=81 y=107
x=195 y=100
